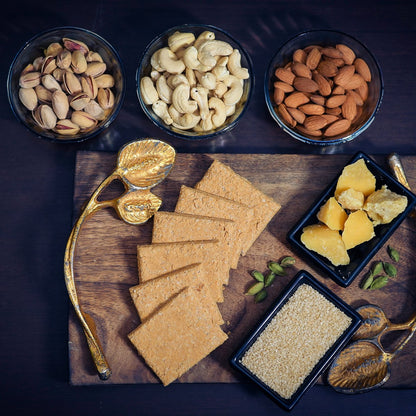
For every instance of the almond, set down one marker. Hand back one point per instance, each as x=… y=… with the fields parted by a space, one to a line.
x=313 y=58
x=335 y=100
x=298 y=115
x=355 y=82
x=278 y=96
x=331 y=52
x=305 y=84
x=314 y=133
x=338 y=90
x=285 y=75
x=357 y=97
x=337 y=127
x=330 y=118
x=299 y=56
x=301 y=70
x=349 y=108
x=336 y=111
x=347 y=53
x=295 y=99
x=323 y=84
x=358 y=115
x=315 y=122
x=317 y=99
x=327 y=69
x=287 y=118
x=283 y=86
x=312 y=109
x=362 y=68
x=344 y=75
x=338 y=62
x=362 y=90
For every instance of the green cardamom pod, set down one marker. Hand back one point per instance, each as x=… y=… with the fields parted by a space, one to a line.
x=367 y=282
x=276 y=268
x=287 y=261
x=257 y=275
x=380 y=282
x=377 y=269
x=393 y=253
x=269 y=279
x=260 y=296
x=390 y=269
x=256 y=288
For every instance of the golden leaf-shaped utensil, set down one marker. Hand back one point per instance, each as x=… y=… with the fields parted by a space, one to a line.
x=374 y=321
x=141 y=165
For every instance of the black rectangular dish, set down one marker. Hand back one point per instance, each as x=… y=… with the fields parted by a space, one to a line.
x=300 y=334
x=363 y=253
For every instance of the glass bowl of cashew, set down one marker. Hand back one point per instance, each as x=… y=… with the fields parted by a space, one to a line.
x=194 y=81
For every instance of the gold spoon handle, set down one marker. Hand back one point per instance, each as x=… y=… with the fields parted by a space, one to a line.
x=86 y=320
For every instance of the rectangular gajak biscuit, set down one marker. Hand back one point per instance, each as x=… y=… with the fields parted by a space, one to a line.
x=221 y=180
x=159 y=258
x=172 y=226
x=198 y=202
x=177 y=336
x=151 y=295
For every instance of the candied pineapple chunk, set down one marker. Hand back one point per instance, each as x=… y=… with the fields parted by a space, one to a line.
x=332 y=214
x=383 y=205
x=351 y=199
x=326 y=242
x=357 y=229
x=358 y=177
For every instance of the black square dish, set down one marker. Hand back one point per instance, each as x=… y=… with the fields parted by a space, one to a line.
x=361 y=254
x=300 y=334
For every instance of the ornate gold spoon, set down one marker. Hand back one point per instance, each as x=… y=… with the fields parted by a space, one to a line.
x=141 y=165
x=365 y=364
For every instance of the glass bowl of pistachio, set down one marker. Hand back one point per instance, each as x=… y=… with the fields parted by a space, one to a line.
x=66 y=84
x=194 y=81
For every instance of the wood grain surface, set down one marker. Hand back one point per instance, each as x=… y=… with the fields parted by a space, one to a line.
x=106 y=265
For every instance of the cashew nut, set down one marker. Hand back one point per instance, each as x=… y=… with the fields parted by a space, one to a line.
x=174 y=80
x=163 y=89
x=154 y=61
x=161 y=109
x=234 y=65
x=203 y=37
x=180 y=99
x=235 y=92
x=190 y=76
x=148 y=91
x=190 y=59
x=220 y=89
x=180 y=40
x=154 y=75
x=212 y=48
x=229 y=110
x=169 y=62
x=207 y=123
x=200 y=95
x=183 y=121
x=219 y=115
x=208 y=80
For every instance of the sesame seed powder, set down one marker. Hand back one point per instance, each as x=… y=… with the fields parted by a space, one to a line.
x=297 y=337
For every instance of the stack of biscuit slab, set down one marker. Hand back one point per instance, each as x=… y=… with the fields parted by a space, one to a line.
x=183 y=271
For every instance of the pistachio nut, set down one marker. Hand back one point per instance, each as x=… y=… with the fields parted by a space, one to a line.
x=64 y=58
x=94 y=109
x=60 y=104
x=105 y=81
x=37 y=63
x=48 y=65
x=78 y=62
x=84 y=120
x=79 y=101
x=66 y=127
x=28 y=68
x=53 y=49
x=44 y=95
x=71 y=83
x=105 y=98
x=89 y=86
x=28 y=98
x=45 y=117
x=58 y=74
x=50 y=83
x=95 y=69
x=94 y=57
x=75 y=45
x=29 y=80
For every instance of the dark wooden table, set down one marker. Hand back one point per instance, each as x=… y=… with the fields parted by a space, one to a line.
x=37 y=190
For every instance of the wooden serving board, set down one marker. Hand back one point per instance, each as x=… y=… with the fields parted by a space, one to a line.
x=105 y=263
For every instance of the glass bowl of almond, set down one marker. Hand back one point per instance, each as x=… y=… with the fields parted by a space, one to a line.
x=323 y=87
x=66 y=84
